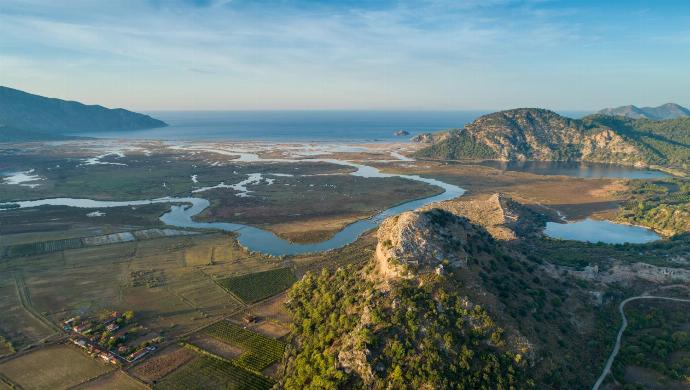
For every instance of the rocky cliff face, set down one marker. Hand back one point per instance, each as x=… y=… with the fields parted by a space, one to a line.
x=422 y=240
x=448 y=233
x=502 y=217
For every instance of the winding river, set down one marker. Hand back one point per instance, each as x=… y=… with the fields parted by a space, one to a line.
x=184 y=209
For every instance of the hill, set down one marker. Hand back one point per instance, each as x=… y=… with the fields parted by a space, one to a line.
x=538 y=134
x=27 y=116
x=664 y=111
x=444 y=305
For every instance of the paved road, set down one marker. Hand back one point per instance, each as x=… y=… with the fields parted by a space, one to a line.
x=617 y=347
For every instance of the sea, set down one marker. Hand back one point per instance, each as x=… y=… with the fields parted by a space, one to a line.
x=298 y=126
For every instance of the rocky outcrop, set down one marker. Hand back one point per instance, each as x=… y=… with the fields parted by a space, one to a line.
x=442 y=233
x=501 y=216
x=353 y=358
x=621 y=272
x=425 y=241
x=429 y=138
x=424 y=138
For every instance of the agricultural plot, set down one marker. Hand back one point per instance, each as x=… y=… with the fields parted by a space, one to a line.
x=36 y=248
x=148 y=277
x=41 y=247
x=56 y=367
x=208 y=372
x=117 y=380
x=220 y=256
x=259 y=351
x=163 y=363
x=259 y=285
x=18 y=325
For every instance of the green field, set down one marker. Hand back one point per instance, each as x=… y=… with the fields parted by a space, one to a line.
x=208 y=372
x=37 y=248
x=259 y=351
x=259 y=285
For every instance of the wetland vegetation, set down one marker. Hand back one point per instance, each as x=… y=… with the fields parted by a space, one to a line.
x=222 y=310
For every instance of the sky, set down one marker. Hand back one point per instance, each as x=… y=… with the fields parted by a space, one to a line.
x=323 y=55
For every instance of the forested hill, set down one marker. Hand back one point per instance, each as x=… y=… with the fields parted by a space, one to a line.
x=664 y=111
x=24 y=116
x=538 y=134
x=483 y=317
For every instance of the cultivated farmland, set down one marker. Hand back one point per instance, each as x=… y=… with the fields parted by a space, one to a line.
x=259 y=351
x=208 y=372
x=56 y=367
x=259 y=285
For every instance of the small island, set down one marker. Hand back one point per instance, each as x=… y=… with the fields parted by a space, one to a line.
x=401 y=133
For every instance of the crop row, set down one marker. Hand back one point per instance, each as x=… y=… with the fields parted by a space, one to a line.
x=259 y=285
x=259 y=351
x=211 y=373
x=36 y=248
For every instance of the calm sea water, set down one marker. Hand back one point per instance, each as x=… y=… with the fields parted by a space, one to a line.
x=301 y=126
x=334 y=126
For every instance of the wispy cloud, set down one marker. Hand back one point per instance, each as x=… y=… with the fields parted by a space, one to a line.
x=293 y=51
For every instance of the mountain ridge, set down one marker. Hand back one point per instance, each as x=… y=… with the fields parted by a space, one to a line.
x=662 y=112
x=537 y=134
x=33 y=117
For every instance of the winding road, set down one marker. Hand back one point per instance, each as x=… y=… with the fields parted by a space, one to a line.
x=617 y=347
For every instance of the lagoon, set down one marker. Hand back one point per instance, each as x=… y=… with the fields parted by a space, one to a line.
x=585 y=170
x=595 y=231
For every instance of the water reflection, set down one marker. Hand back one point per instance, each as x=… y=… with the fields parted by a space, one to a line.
x=576 y=169
x=590 y=230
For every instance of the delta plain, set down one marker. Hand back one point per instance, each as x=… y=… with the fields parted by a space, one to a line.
x=456 y=260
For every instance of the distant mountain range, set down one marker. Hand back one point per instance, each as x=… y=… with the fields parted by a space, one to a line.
x=543 y=135
x=665 y=111
x=24 y=117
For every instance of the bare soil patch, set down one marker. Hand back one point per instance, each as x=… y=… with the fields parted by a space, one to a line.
x=271 y=329
x=54 y=367
x=118 y=380
x=162 y=363
x=216 y=346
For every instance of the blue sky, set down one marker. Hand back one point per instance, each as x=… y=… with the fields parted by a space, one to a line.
x=427 y=55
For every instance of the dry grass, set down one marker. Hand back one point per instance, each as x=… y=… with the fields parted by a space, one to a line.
x=55 y=367
x=271 y=329
x=272 y=309
x=116 y=380
x=315 y=229
x=16 y=324
x=216 y=346
x=575 y=197
x=162 y=363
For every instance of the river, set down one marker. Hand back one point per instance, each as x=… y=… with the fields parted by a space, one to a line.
x=183 y=210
